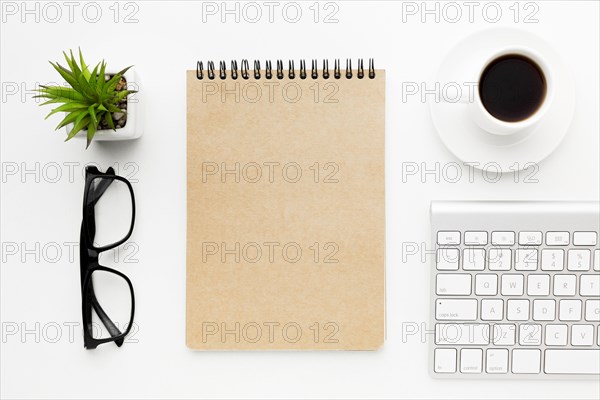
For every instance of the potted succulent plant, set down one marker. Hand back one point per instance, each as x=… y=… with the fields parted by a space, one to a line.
x=97 y=103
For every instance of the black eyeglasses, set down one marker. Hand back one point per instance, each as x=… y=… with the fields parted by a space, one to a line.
x=107 y=294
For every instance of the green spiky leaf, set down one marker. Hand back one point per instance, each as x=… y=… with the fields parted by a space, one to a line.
x=113 y=109
x=84 y=68
x=53 y=101
x=66 y=74
x=53 y=92
x=68 y=107
x=94 y=77
x=83 y=120
x=109 y=121
x=69 y=63
x=70 y=118
x=90 y=134
x=112 y=83
x=124 y=93
x=101 y=82
x=93 y=115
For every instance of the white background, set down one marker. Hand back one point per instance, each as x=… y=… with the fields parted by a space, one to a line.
x=43 y=295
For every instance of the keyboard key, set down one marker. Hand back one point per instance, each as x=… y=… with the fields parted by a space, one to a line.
x=553 y=259
x=530 y=335
x=445 y=361
x=589 y=285
x=564 y=285
x=544 y=310
x=538 y=285
x=592 y=312
x=486 y=284
x=476 y=238
x=462 y=334
x=517 y=310
x=448 y=237
x=526 y=259
x=569 y=310
x=526 y=361
x=582 y=335
x=499 y=259
x=530 y=238
x=496 y=361
x=556 y=335
x=572 y=362
x=585 y=238
x=447 y=259
x=504 y=334
x=453 y=284
x=578 y=260
x=473 y=259
x=492 y=309
x=512 y=285
x=503 y=238
x=471 y=361
x=557 y=238
x=596 y=260
x=456 y=309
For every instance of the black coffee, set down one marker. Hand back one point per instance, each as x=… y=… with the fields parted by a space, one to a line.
x=512 y=88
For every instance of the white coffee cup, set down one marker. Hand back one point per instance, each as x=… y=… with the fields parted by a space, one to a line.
x=493 y=125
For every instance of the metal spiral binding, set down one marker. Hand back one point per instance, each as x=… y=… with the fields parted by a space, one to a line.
x=256 y=69
x=222 y=70
x=234 y=67
x=336 y=69
x=280 y=74
x=268 y=69
x=325 y=69
x=244 y=69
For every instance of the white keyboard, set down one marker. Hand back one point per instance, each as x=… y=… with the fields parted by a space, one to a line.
x=516 y=290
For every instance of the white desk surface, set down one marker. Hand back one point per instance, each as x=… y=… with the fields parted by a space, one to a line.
x=41 y=211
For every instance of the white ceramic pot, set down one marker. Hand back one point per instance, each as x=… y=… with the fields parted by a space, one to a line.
x=133 y=126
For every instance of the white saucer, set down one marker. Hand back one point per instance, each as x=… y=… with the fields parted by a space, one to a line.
x=470 y=143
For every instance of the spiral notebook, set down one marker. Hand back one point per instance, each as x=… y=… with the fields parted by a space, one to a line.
x=285 y=206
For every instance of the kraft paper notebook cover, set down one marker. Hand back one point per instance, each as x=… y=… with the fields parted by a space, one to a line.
x=285 y=210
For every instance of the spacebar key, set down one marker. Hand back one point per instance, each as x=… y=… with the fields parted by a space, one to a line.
x=572 y=362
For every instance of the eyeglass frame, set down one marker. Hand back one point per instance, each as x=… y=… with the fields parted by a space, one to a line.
x=89 y=263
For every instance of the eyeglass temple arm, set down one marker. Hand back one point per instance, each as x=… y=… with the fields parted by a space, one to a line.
x=95 y=195
x=110 y=326
x=99 y=190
